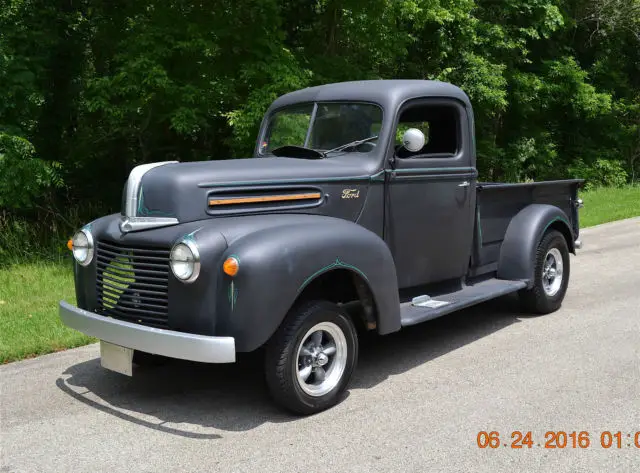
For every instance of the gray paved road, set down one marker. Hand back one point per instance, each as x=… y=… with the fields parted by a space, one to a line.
x=417 y=402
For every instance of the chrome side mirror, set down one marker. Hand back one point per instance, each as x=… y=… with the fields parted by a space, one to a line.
x=413 y=140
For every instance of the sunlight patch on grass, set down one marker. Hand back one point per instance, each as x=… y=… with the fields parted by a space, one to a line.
x=29 y=321
x=608 y=204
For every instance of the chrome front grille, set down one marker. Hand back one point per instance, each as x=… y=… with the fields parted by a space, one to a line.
x=132 y=283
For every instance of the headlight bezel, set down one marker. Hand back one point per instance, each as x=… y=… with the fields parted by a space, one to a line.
x=193 y=248
x=90 y=247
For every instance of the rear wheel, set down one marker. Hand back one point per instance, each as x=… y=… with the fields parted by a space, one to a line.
x=551 y=275
x=310 y=359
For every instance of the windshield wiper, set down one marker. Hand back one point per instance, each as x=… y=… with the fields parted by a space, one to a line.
x=351 y=144
x=293 y=151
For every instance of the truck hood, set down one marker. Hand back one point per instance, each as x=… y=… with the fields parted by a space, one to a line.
x=198 y=190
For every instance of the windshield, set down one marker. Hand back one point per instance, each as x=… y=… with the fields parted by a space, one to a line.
x=329 y=126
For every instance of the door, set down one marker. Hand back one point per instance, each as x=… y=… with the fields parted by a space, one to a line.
x=431 y=195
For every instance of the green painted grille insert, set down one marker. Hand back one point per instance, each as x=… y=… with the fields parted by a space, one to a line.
x=132 y=283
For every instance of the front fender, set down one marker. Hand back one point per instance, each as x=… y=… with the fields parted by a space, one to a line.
x=517 y=253
x=277 y=263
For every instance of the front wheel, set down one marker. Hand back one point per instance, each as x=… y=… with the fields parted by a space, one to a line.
x=551 y=275
x=310 y=359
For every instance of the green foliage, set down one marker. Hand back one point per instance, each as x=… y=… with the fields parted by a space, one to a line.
x=90 y=88
x=24 y=177
x=602 y=173
x=42 y=234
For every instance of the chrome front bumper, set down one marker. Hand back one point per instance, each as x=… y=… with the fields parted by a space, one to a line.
x=186 y=346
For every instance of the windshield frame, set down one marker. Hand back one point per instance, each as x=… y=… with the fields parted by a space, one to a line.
x=272 y=113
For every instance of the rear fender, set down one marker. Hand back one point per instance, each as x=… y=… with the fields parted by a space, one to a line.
x=517 y=253
x=277 y=263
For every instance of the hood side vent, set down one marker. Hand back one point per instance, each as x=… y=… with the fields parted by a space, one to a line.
x=263 y=199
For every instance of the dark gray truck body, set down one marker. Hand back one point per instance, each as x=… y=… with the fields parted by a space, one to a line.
x=373 y=228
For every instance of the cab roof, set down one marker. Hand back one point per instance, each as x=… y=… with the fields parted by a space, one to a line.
x=390 y=94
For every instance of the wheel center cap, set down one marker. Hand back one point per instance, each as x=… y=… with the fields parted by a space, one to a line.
x=322 y=359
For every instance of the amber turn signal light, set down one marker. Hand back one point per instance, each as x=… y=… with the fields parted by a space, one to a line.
x=70 y=245
x=231 y=266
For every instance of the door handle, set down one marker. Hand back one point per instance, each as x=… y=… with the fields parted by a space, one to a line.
x=464 y=184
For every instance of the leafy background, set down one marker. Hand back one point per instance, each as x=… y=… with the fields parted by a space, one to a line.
x=90 y=88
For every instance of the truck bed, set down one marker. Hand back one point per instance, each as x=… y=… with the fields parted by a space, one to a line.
x=498 y=203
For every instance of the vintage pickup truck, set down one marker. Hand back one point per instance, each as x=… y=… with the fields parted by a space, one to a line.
x=360 y=210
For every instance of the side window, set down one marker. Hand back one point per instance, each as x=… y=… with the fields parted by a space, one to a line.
x=440 y=125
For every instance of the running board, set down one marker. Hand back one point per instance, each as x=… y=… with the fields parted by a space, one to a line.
x=446 y=303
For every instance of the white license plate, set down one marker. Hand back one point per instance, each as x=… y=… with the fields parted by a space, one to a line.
x=116 y=358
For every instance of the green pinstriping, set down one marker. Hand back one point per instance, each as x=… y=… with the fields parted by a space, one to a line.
x=336 y=264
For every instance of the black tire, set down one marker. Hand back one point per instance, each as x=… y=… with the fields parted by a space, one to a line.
x=281 y=357
x=536 y=300
x=144 y=359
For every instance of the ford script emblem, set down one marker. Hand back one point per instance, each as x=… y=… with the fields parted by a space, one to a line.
x=350 y=193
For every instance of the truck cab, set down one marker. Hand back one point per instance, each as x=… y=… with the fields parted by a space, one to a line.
x=360 y=210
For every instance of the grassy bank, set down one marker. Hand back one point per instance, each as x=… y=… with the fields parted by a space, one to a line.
x=29 y=292
x=609 y=204
x=29 y=322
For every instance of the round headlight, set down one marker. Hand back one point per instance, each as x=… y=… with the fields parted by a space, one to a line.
x=83 y=247
x=185 y=261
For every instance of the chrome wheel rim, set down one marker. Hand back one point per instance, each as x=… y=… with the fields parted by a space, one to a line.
x=321 y=359
x=552 y=270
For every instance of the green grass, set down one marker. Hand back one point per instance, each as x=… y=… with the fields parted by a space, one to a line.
x=29 y=322
x=607 y=204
